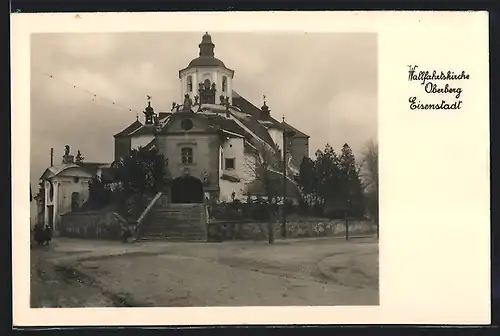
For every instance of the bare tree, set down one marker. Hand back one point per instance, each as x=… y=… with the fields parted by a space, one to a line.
x=261 y=167
x=369 y=169
x=370 y=175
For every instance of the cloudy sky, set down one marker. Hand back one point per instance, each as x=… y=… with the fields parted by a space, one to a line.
x=324 y=84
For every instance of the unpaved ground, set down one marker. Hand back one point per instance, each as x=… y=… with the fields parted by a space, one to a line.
x=297 y=272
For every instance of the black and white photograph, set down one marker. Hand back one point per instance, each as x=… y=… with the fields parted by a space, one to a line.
x=203 y=169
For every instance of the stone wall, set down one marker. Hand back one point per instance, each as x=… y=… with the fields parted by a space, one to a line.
x=250 y=230
x=96 y=225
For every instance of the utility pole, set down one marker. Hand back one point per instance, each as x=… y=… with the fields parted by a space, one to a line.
x=52 y=157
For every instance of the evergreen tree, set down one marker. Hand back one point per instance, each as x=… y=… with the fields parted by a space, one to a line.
x=307 y=177
x=350 y=184
x=328 y=174
x=142 y=171
x=99 y=194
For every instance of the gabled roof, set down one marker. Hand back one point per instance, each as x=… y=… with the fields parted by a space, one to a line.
x=144 y=130
x=247 y=107
x=89 y=167
x=255 y=127
x=150 y=145
x=223 y=123
x=129 y=129
x=249 y=148
x=298 y=134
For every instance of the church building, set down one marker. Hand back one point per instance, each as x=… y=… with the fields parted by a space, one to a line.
x=218 y=145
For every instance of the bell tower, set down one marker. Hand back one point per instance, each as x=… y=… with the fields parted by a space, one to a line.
x=206 y=79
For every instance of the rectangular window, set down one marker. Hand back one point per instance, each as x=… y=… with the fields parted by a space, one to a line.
x=187 y=155
x=229 y=163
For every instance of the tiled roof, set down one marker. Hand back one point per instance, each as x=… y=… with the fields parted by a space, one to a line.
x=90 y=167
x=247 y=107
x=255 y=127
x=150 y=145
x=224 y=123
x=144 y=130
x=298 y=134
x=248 y=148
x=129 y=129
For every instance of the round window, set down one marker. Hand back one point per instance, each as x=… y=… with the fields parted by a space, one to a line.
x=186 y=124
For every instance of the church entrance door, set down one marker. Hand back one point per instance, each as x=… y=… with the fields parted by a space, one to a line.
x=186 y=189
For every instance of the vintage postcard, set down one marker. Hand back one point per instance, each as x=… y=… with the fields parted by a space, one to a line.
x=223 y=172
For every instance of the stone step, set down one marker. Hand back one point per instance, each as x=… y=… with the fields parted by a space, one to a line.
x=177 y=212
x=176 y=237
x=156 y=231
x=183 y=207
x=177 y=222
x=174 y=224
x=187 y=240
x=173 y=230
x=175 y=217
x=154 y=219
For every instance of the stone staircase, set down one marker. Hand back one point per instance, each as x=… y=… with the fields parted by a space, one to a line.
x=176 y=222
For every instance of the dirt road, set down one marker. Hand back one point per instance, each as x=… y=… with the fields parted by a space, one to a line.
x=299 y=272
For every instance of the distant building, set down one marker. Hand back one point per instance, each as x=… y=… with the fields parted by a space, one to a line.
x=67 y=186
x=214 y=141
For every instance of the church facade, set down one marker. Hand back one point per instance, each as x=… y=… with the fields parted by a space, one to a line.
x=217 y=136
x=218 y=145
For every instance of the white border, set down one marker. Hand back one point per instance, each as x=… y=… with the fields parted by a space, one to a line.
x=434 y=250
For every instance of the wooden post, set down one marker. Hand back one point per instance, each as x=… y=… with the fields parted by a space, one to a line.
x=346 y=227
x=270 y=232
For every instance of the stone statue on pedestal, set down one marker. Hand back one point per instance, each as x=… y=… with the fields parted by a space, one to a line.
x=187 y=103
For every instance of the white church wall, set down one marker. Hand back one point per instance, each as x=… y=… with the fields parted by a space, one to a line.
x=69 y=185
x=184 y=84
x=226 y=188
x=221 y=160
x=64 y=185
x=248 y=173
x=214 y=74
x=233 y=148
x=277 y=136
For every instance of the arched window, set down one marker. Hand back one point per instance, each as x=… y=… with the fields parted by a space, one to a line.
x=224 y=84
x=206 y=84
x=189 y=83
x=187 y=155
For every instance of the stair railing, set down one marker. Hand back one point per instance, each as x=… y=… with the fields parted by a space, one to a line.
x=146 y=211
